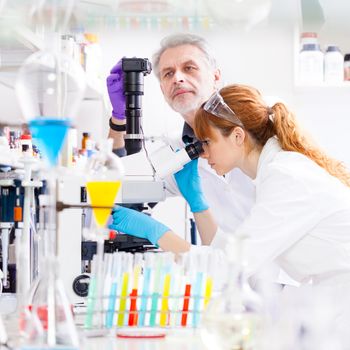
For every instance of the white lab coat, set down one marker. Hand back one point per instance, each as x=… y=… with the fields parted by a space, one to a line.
x=301 y=219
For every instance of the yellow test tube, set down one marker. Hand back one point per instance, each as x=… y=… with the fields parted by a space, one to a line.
x=208 y=290
x=165 y=301
x=123 y=297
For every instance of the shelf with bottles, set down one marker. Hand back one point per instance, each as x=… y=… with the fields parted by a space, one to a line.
x=320 y=66
x=26 y=42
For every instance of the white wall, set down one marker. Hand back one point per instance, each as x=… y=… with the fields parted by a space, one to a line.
x=263 y=57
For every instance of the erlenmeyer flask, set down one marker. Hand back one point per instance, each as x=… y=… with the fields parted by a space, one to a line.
x=51 y=306
x=234 y=319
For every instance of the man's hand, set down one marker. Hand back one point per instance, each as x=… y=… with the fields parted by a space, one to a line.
x=115 y=91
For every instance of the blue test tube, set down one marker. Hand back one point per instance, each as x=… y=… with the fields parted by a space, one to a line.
x=149 y=265
x=156 y=290
x=116 y=262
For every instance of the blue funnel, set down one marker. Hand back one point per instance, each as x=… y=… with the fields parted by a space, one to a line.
x=50 y=134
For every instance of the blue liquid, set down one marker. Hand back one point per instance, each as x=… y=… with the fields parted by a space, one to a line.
x=50 y=134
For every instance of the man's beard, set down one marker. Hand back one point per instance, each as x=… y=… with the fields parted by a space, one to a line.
x=186 y=107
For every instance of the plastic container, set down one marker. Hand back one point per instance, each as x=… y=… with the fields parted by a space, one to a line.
x=333 y=65
x=308 y=38
x=347 y=67
x=311 y=64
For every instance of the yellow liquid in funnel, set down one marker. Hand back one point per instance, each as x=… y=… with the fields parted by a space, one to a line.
x=102 y=193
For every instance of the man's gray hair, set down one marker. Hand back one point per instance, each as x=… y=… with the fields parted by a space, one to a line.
x=175 y=40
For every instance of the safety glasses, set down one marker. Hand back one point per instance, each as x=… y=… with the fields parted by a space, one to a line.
x=218 y=107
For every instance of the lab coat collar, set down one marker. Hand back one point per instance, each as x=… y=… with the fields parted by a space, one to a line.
x=271 y=148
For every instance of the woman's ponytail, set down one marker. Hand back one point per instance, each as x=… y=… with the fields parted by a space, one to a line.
x=292 y=138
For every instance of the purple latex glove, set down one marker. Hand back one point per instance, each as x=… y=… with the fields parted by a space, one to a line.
x=116 y=92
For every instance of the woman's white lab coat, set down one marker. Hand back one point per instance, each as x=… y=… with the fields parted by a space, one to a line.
x=301 y=219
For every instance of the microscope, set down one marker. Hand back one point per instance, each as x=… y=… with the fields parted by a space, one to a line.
x=145 y=172
x=142 y=186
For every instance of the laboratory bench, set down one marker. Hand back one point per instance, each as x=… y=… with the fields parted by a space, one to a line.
x=175 y=339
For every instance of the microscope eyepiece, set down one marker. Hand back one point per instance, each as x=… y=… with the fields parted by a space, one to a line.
x=194 y=150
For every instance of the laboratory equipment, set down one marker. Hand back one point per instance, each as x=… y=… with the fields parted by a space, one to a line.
x=105 y=172
x=3 y=333
x=333 y=65
x=234 y=319
x=145 y=171
x=147 y=291
x=50 y=87
x=134 y=70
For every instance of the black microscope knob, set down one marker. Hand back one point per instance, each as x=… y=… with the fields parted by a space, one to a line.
x=81 y=285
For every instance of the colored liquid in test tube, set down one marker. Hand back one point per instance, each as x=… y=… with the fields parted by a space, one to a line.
x=133 y=315
x=156 y=290
x=91 y=299
x=116 y=267
x=149 y=262
x=102 y=194
x=167 y=272
x=186 y=304
x=126 y=270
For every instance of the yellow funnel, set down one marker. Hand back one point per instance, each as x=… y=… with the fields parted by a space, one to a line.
x=102 y=193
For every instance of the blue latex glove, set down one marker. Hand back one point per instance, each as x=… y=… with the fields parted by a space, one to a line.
x=189 y=184
x=116 y=91
x=137 y=224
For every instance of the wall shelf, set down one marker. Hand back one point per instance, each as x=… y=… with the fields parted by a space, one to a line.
x=26 y=42
x=342 y=85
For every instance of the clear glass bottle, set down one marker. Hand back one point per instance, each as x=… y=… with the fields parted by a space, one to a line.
x=234 y=319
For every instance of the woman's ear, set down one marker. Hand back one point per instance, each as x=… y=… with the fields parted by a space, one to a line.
x=238 y=136
x=217 y=78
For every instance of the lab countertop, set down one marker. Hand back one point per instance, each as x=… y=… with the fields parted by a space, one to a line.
x=174 y=340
